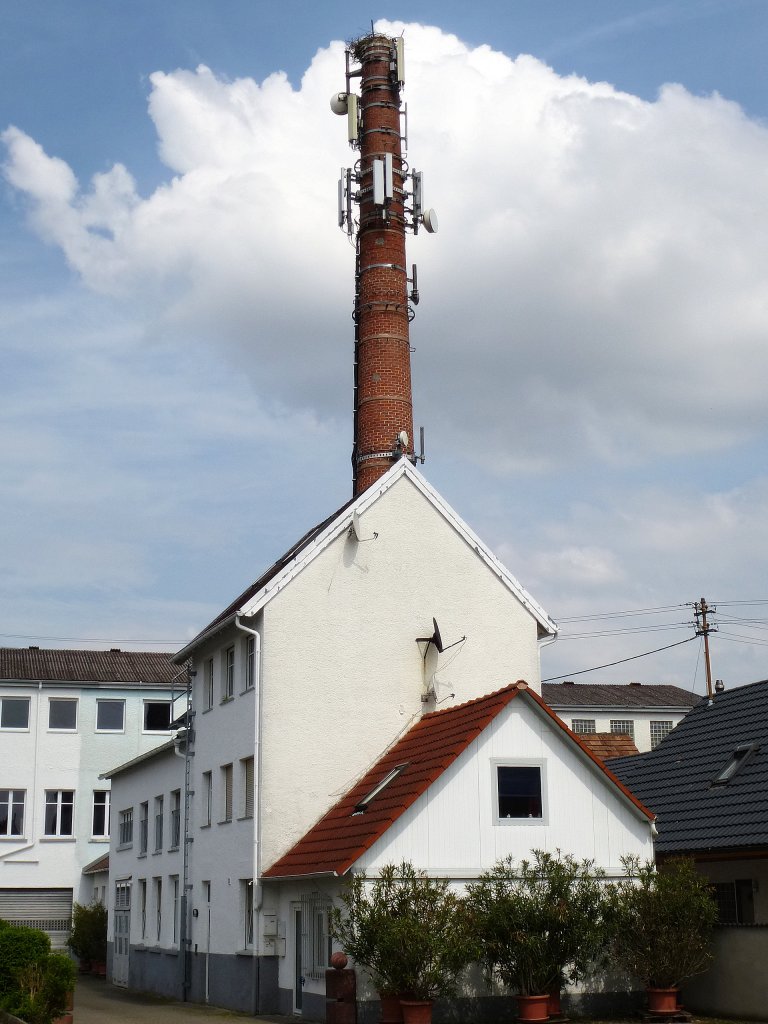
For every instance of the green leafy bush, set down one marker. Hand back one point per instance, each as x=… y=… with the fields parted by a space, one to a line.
x=539 y=924
x=410 y=931
x=663 y=922
x=88 y=940
x=34 y=983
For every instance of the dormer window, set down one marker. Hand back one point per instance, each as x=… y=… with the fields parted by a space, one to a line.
x=362 y=806
x=734 y=763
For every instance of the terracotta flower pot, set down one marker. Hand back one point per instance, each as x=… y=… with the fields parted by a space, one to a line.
x=417 y=1011
x=554 y=1009
x=391 y=1010
x=662 y=1000
x=532 y=1007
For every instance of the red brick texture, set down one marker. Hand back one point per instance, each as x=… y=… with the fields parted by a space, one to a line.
x=383 y=398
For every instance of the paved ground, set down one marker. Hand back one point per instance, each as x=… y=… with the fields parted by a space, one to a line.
x=99 y=1002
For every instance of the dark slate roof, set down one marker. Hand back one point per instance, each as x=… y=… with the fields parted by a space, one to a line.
x=675 y=779
x=429 y=747
x=153 y=668
x=626 y=695
x=223 y=618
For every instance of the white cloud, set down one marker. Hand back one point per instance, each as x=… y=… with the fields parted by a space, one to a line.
x=599 y=263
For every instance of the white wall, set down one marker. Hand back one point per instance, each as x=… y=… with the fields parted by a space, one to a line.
x=602 y=718
x=342 y=673
x=452 y=828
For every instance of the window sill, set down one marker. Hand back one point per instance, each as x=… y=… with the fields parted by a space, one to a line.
x=527 y=822
x=13 y=839
x=123 y=846
x=172 y=849
x=245 y=952
x=207 y=825
x=248 y=689
x=226 y=700
x=245 y=817
x=226 y=821
x=58 y=839
x=142 y=855
x=157 y=853
x=99 y=839
x=206 y=710
x=109 y=732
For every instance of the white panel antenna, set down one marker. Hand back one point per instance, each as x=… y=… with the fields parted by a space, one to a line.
x=400 y=61
x=418 y=194
x=378 y=183
x=389 y=181
x=353 y=130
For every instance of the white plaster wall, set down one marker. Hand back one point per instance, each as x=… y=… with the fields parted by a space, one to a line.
x=39 y=759
x=223 y=853
x=451 y=830
x=158 y=776
x=603 y=718
x=342 y=673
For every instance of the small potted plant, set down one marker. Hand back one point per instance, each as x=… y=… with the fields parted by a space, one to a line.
x=539 y=925
x=409 y=931
x=663 y=923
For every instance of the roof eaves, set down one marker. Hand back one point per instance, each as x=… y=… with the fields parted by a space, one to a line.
x=147 y=756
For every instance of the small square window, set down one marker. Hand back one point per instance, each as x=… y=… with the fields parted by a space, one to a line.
x=518 y=792
x=62 y=713
x=14 y=712
x=623 y=727
x=658 y=731
x=110 y=715
x=583 y=726
x=157 y=715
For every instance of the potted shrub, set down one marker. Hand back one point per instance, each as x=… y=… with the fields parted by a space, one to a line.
x=663 y=924
x=409 y=931
x=539 y=925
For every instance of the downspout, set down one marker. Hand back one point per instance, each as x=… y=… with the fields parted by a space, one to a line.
x=257 y=887
x=544 y=642
x=184 y=939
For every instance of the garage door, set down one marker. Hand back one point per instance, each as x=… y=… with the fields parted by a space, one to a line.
x=47 y=909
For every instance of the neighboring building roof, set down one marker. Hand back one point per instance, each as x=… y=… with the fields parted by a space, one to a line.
x=609 y=744
x=676 y=778
x=342 y=836
x=147 y=756
x=253 y=599
x=626 y=695
x=97 y=866
x=35 y=664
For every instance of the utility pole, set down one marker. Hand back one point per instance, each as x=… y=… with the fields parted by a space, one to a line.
x=704 y=628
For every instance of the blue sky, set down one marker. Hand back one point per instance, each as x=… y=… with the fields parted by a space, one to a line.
x=172 y=416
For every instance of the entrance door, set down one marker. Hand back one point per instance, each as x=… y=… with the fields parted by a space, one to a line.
x=122 y=934
x=298 y=972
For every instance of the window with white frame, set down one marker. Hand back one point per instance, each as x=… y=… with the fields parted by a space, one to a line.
x=658 y=731
x=157 y=715
x=207 y=798
x=623 y=727
x=12 y=812
x=175 y=819
x=144 y=827
x=123 y=895
x=247 y=786
x=14 y=713
x=110 y=716
x=100 y=817
x=158 y=908
x=250 y=649
x=246 y=884
x=228 y=675
x=59 y=811
x=62 y=714
x=583 y=726
x=158 y=824
x=208 y=683
x=226 y=792
x=125 y=827
x=519 y=792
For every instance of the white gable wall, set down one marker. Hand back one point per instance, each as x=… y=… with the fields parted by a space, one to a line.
x=342 y=674
x=452 y=828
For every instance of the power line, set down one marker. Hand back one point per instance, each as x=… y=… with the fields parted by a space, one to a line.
x=624 y=614
x=621 y=661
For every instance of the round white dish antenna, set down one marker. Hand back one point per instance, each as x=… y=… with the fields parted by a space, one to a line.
x=430 y=221
x=339 y=103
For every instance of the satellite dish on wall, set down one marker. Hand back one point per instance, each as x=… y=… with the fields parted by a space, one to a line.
x=437 y=640
x=356 y=530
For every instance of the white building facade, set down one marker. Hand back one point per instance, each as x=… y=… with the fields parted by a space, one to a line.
x=65 y=717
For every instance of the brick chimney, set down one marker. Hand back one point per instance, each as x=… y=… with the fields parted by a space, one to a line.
x=380 y=184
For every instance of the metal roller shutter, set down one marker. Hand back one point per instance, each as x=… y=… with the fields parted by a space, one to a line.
x=47 y=909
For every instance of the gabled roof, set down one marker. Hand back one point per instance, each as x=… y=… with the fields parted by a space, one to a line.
x=342 y=836
x=609 y=744
x=675 y=779
x=299 y=555
x=626 y=695
x=148 y=668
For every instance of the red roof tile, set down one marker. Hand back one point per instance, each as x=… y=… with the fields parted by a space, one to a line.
x=609 y=744
x=341 y=836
